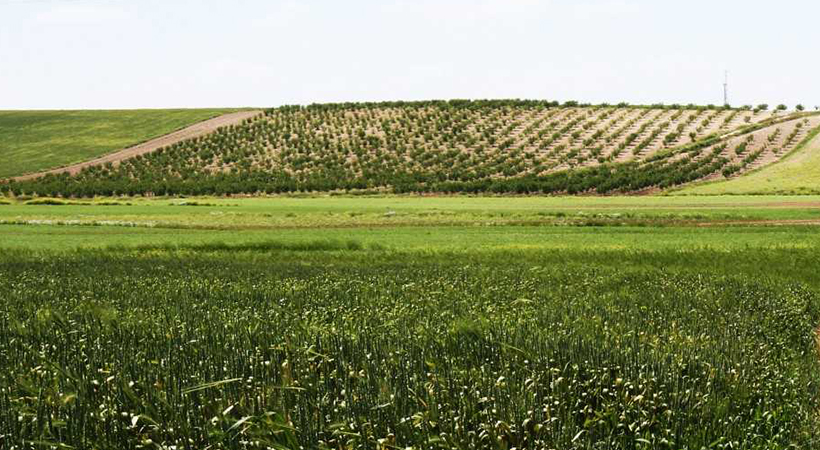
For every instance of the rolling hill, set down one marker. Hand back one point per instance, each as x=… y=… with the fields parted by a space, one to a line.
x=795 y=174
x=457 y=146
x=33 y=141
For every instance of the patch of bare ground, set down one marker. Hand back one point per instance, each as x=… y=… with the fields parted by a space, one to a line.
x=193 y=131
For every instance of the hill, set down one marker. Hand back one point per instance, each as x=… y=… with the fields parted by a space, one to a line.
x=797 y=173
x=32 y=141
x=456 y=146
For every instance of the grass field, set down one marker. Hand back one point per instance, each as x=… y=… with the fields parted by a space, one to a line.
x=463 y=239
x=31 y=141
x=349 y=347
x=339 y=211
x=799 y=173
x=410 y=322
x=401 y=223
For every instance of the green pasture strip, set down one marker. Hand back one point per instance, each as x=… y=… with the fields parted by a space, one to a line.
x=329 y=212
x=432 y=238
x=31 y=141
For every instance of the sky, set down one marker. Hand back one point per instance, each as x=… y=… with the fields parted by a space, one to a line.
x=112 y=54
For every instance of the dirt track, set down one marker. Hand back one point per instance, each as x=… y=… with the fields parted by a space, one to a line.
x=195 y=130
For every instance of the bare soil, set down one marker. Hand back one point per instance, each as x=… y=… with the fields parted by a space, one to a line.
x=193 y=131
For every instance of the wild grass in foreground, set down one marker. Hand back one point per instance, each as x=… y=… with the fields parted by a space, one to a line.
x=225 y=349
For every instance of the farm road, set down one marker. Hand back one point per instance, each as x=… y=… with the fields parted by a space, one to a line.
x=195 y=130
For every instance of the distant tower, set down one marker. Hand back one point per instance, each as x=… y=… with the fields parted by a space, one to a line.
x=726 y=88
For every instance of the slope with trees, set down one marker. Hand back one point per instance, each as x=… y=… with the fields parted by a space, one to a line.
x=506 y=146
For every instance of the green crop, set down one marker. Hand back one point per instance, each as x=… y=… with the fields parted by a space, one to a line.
x=280 y=350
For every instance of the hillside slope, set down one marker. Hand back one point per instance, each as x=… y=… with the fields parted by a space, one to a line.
x=190 y=132
x=459 y=146
x=32 y=141
x=798 y=173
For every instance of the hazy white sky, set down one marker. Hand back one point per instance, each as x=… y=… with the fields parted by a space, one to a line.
x=186 y=53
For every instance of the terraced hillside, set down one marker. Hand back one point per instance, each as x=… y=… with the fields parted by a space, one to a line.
x=457 y=146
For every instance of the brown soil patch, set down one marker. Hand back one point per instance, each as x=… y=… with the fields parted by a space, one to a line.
x=193 y=131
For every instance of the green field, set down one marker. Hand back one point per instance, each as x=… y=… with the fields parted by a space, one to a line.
x=799 y=173
x=451 y=339
x=432 y=238
x=346 y=211
x=31 y=141
x=416 y=223
x=412 y=223
x=387 y=322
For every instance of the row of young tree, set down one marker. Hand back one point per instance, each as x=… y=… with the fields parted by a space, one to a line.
x=607 y=178
x=485 y=103
x=293 y=149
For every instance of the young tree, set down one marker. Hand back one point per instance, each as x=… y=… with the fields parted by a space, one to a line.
x=781 y=107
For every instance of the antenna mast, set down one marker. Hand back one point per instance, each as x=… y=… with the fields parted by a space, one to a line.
x=726 y=88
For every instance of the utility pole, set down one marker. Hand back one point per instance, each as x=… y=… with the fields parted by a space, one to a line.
x=726 y=88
